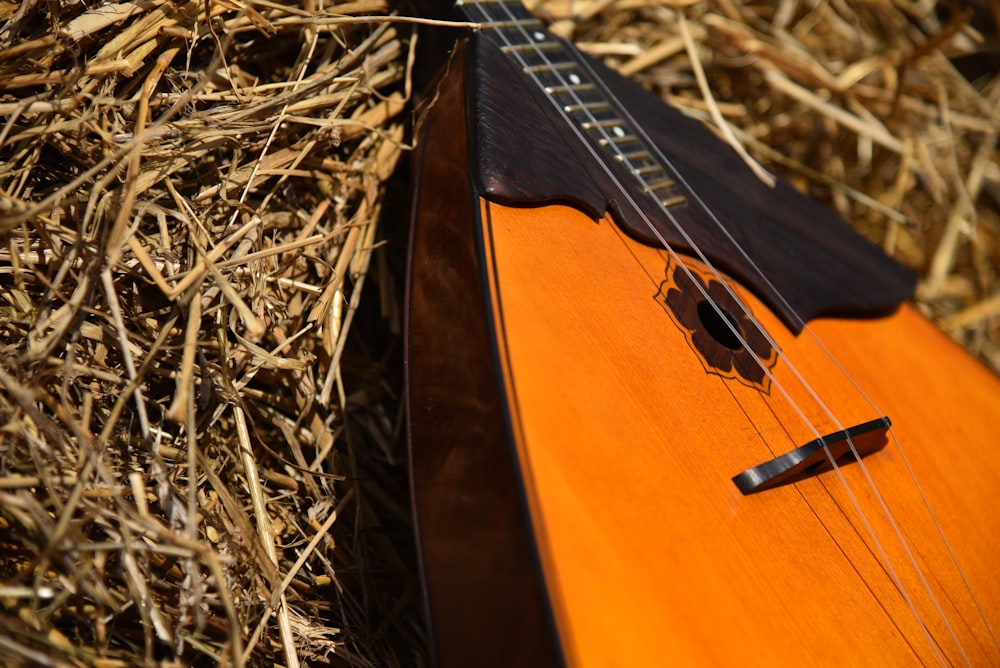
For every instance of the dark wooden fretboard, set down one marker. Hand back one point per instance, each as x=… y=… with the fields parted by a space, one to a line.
x=552 y=125
x=551 y=64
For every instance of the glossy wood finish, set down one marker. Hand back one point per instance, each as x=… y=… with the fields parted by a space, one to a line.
x=573 y=438
x=479 y=561
x=627 y=443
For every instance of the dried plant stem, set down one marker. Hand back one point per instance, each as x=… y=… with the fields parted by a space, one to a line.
x=265 y=531
x=118 y=231
x=960 y=220
x=713 y=108
x=866 y=129
x=182 y=405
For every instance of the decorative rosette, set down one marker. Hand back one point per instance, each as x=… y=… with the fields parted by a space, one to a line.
x=721 y=330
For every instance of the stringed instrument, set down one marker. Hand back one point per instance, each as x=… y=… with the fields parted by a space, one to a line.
x=661 y=413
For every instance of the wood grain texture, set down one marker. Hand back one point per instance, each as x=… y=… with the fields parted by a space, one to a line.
x=815 y=264
x=479 y=563
x=627 y=446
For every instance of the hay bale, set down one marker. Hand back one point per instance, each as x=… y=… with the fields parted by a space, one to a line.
x=188 y=202
x=195 y=466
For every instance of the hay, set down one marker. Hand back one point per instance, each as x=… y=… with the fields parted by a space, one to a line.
x=198 y=464
x=188 y=207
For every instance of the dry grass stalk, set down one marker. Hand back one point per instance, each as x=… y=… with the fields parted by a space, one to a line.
x=196 y=466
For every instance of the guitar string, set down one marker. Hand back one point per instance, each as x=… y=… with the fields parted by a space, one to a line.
x=596 y=79
x=518 y=23
x=888 y=515
x=641 y=133
x=926 y=501
x=886 y=561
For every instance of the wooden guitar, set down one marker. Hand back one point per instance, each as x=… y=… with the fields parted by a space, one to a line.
x=661 y=413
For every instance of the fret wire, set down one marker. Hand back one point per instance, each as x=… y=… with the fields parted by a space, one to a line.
x=531 y=46
x=620 y=142
x=555 y=67
x=615 y=123
x=533 y=24
x=577 y=88
x=673 y=201
x=597 y=106
x=637 y=155
x=664 y=184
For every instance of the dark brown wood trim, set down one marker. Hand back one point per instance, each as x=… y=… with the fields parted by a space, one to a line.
x=482 y=575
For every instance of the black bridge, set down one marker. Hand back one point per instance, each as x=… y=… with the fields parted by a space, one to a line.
x=812 y=459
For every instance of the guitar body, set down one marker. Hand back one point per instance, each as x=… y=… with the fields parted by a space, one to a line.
x=576 y=417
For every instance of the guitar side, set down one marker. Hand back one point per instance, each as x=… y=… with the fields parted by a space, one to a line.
x=571 y=457
x=486 y=598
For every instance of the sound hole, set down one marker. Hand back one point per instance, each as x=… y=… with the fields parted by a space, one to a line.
x=722 y=328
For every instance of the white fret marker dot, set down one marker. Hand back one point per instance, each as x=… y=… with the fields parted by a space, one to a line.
x=539 y=36
x=618 y=131
x=574 y=79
